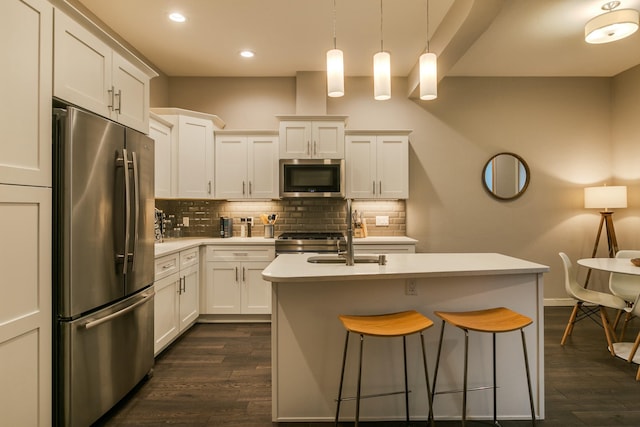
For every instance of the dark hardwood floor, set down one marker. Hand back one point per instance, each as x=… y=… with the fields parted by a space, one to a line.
x=220 y=375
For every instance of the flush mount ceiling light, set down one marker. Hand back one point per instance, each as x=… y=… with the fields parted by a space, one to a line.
x=247 y=53
x=335 y=65
x=428 y=70
x=177 y=17
x=381 y=70
x=612 y=25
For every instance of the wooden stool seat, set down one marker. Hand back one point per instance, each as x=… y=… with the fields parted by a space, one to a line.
x=387 y=325
x=494 y=320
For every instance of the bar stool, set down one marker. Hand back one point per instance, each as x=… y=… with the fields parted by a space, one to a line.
x=493 y=320
x=384 y=325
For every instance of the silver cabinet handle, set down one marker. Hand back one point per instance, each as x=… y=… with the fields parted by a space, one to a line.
x=243 y=271
x=179 y=285
x=110 y=93
x=250 y=190
x=315 y=148
x=119 y=95
x=243 y=185
x=309 y=148
x=209 y=188
x=236 y=268
x=124 y=311
x=380 y=191
x=374 y=187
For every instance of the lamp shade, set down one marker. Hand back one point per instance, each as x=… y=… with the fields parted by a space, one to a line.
x=605 y=197
x=611 y=26
x=382 y=76
x=428 y=76
x=335 y=73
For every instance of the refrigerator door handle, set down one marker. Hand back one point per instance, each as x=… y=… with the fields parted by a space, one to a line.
x=122 y=312
x=136 y=191
x=127 y=210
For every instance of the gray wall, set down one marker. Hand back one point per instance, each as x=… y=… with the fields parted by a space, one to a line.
x=563 y=127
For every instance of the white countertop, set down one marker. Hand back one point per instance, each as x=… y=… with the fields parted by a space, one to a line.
x=174 y=245
x=170 y=246
x=295 y=268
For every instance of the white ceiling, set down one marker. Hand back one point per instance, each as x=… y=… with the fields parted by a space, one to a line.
x=518 y=37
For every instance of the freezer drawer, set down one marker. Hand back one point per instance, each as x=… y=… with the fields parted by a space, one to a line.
x=102 y=356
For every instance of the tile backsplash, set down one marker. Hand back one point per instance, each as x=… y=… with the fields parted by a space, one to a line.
x=304 y=214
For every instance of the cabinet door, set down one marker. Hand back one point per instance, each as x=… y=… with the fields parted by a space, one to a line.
x=256 y=292
x=222 y=288
x=263 y=166
x=195 y=158
x=327 y=140
x=231 y=167
x=82 y=67
x=131 y=94
x=295 y=139
x=189 y=309
x=166 y=322
x=161 y=134
x=25 y=306
x=393 y=167
x=361 y=165
x=25 y=116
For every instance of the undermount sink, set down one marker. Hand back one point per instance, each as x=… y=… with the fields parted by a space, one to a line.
x=340 y=259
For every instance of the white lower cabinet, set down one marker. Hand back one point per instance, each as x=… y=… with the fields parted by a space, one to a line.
x=233 y=280
x=176 y=301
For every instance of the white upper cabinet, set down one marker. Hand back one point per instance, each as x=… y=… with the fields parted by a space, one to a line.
x=191 y=163
x=377 y=164
x=246 y=165
x=160 y=132
x=25 y=114
x=303 y=137
x=89 y=73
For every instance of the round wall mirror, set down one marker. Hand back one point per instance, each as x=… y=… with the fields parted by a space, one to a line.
x=506 y=176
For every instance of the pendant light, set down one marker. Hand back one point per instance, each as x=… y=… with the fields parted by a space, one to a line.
x=612 y=25
x=335 y=65
x=428 y=70
x=381 y=70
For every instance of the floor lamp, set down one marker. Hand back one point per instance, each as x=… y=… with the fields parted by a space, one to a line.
x=603 y=198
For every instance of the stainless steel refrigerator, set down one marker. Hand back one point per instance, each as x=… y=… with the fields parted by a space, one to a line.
x=103 y=263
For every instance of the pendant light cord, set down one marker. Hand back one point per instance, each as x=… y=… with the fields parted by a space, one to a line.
x=381 y=38
x=428 y=50
x=334 y=24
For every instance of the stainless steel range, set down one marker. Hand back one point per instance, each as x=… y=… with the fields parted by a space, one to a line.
x=310 y=242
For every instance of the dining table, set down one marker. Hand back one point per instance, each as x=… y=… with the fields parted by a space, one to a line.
x=621 y=266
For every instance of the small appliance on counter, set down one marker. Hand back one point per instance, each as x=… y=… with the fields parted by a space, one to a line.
x=159 y=225
x=226 y=227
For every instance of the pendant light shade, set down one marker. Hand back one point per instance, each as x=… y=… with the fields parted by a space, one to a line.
x=382 y=76
x=611 y=26
x=428 y=76
x=335 y=65
x=335 y=73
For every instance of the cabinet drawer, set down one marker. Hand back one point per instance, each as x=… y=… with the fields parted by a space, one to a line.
x=240 y=253
x=167 y=265
x=189 y=257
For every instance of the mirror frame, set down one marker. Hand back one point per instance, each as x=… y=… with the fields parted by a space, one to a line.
x=526 y=170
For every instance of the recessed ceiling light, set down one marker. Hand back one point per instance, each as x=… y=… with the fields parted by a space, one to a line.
x=177 y=17
x=247 y=53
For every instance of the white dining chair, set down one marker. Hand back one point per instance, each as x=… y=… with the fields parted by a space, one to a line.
x=601 y=300
x=628 y=350
x=625 y=286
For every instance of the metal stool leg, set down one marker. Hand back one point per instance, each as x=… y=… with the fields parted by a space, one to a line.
x=495 y=386
x=466 y=365
x=426 y=380
x=526 y=365
x=406 y=380
x=344 y=360
x=359 y=382
x=435 y=373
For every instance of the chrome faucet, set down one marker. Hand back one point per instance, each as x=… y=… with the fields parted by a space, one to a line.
x=349 y=254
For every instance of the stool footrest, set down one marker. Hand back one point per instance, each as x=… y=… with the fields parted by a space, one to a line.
x=344 y=399
x=486 y=387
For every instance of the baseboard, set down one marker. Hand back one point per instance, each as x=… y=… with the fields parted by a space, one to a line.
x=559 y=302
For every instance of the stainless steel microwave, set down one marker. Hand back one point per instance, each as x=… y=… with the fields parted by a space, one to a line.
x=311 y=178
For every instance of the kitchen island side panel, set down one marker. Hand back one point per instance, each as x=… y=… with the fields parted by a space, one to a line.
x=308 y=342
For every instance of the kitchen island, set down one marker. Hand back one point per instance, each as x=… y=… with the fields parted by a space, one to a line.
x=308 y=339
